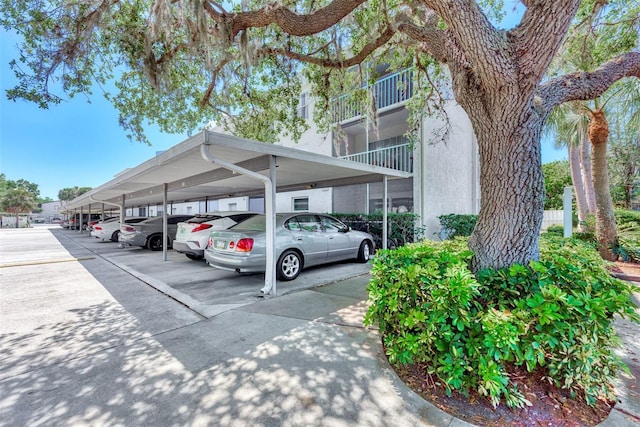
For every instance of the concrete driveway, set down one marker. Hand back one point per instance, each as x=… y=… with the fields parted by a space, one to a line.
x=83 y=341
x=204 y=289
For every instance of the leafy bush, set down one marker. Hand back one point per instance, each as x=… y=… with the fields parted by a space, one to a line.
x=628 y=224
x=628 y=249
x=457 y=225
x=557 y=175
x=628 y=220
x=554 y=314
x=402 y=227
x=556 y=230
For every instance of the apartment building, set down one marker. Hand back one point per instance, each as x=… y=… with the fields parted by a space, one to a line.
x=445 y=173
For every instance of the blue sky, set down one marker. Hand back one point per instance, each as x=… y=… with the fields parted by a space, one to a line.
x=79 y=142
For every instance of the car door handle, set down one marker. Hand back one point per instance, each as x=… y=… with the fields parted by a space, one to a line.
x=299 y=238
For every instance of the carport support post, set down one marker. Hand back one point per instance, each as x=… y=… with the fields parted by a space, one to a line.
x=385 y=196
x=270 y=214
x=81 y=218
x=165 y=228
x=122 y=209
x=270 y=210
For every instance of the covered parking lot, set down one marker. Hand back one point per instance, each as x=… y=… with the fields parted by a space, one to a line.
x=212 y=165
x=205 y=290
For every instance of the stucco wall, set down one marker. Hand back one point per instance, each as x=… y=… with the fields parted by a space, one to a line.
x=450 y=171
x=320 y=200
x=312 y=140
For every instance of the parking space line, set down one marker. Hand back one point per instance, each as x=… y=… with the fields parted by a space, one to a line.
x=44 y=261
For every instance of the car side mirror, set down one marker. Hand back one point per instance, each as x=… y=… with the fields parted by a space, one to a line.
x=345 y=229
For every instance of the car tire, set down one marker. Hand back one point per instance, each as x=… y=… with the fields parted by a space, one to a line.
x=195 y=257
x=289 y=265
x=155 y=242
x=364 y=253
x=115 y=235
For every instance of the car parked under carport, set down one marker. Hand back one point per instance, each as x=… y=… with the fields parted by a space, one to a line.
x=148 y=233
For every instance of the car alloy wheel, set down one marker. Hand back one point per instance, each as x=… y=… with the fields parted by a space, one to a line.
x=289 y=265
x=364 y=253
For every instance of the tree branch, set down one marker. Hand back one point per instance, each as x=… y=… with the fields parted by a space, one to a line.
x=485 y=48
x=581 y=86
x=290 y=22
x=334 y=63
x=429 y=34
x=539 y=36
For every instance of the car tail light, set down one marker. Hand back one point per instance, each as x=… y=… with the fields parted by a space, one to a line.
x=200 y=227
x=243 y=245
x=128 y=229
x=97 y=228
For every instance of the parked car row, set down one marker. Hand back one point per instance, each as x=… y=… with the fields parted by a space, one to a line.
x=110 y=229
x=87 y=220
x=236 y=241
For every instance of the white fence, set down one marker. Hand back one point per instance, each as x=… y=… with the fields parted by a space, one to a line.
x=552 y=218
x=9 y=221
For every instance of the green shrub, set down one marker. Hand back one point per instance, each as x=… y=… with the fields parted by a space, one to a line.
x=586 y=236
x=628 y=220
x=402 y=227
x=554 y=314
x=628 y=224
x=628 y=248
x=457 y=225
x=556 y=229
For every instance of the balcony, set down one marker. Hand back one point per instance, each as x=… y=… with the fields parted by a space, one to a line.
x=397 y=157
x=390 y=91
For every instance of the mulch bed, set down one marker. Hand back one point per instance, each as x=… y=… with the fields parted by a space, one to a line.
x=550 y=405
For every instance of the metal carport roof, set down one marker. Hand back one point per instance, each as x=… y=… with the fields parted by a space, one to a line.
x=185 y=173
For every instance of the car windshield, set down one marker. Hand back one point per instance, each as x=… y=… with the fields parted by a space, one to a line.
x=255 y=223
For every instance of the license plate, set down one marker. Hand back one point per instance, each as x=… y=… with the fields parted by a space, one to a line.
x=220 y=244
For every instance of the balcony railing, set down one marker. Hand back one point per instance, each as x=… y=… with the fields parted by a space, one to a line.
x=388 y=91
x=398 y=157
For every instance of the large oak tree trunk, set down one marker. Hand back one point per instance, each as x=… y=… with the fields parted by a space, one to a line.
x=512 y=204
x=605 y=220
x=578 y=187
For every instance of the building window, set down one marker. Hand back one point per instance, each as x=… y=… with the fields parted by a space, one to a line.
x=303 y=106
x=300 y=204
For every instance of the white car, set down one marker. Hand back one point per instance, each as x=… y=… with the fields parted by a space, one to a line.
x=192 y=236
x=110 y=229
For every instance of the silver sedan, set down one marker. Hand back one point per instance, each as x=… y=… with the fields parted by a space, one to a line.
x=302 y=240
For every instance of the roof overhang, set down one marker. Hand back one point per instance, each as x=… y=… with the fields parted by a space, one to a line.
x=189 y=177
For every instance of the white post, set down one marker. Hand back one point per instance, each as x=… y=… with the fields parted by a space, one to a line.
x=385 y=201
x=269 y=198
x=165 y=227
x=567 y=215
x=270 y=210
